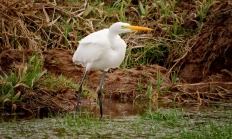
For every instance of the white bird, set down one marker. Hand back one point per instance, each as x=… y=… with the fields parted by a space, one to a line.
x=102 y=50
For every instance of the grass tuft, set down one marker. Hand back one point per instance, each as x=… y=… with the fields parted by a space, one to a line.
x=20 y=80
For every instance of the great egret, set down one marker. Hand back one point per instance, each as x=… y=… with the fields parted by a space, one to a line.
x=102 y=50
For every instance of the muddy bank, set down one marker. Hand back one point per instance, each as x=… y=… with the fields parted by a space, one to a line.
x=203 y=71
x=209 y=54
x=205 y=68
x=119 y=83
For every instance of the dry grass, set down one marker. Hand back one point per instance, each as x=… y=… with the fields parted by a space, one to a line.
x=34 y=25
x=45 y=25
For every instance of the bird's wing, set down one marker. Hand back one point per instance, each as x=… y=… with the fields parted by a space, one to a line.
x=94 y=37
x=92 y=47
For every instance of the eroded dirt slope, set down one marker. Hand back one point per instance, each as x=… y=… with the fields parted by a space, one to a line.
x=209 y=53
x=117 y=81
x=120 y=84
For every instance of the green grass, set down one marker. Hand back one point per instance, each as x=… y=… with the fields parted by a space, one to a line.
x=160 y=123
x=202 y=9
x=208 y=128
x=165 y=7
x=20 y=80
x=58 y=83
x=148 y=53
x=61 y=82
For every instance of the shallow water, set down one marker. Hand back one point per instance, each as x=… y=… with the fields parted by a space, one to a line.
x=116 y=109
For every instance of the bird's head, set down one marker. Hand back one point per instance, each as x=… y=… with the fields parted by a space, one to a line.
x=121 y=27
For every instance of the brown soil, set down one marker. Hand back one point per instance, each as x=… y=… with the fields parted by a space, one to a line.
x=209 y=52
x=206 y=67
x=204 y=70
x=120 y=84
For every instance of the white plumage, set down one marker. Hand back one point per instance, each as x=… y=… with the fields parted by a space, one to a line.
x=103 y=50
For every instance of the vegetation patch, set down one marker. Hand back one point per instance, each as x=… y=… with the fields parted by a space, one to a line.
x=191 y=43
x=160 y=123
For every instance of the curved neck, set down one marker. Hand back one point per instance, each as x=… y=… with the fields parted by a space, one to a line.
x=112 y=37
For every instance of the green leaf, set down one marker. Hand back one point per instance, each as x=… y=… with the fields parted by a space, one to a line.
x=15 y=98
x=142 y=10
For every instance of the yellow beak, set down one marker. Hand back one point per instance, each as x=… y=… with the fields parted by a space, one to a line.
x=138 y=28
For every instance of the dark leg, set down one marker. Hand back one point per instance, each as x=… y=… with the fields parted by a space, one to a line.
x=80 y=90
x=99 y=93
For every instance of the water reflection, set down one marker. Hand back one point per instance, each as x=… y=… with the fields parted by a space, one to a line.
x=115 y=109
